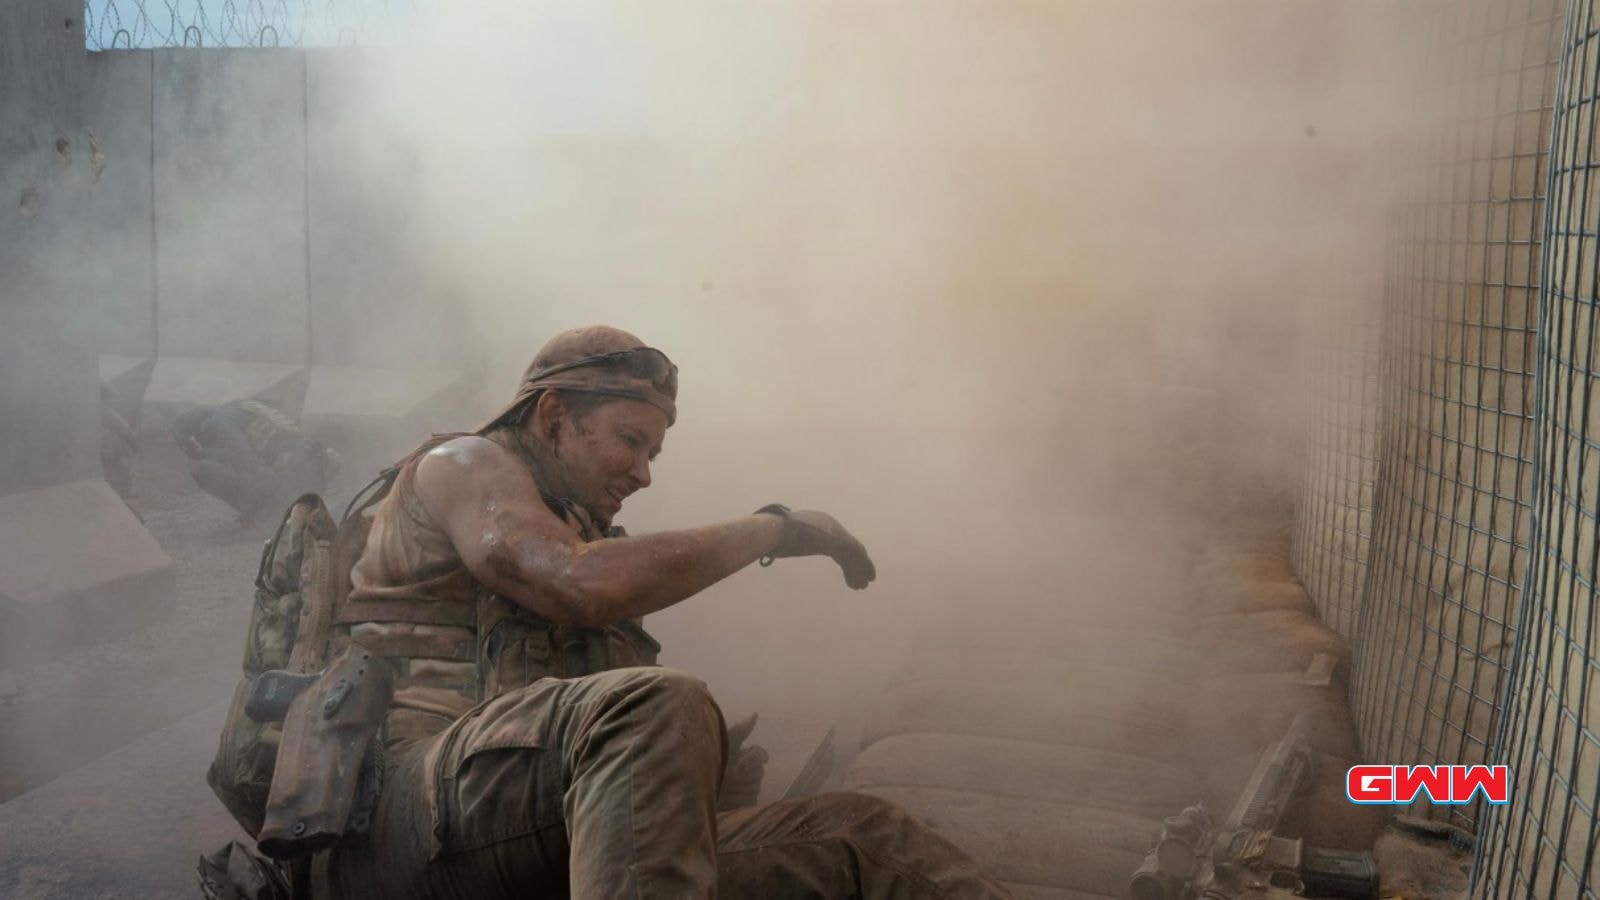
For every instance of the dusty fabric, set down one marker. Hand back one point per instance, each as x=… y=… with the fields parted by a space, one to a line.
x=281 y=633
x=408 y=578
x=603 y=787
x=453 y=643
x=252 y=456
x=234 y=873
x=546 y=372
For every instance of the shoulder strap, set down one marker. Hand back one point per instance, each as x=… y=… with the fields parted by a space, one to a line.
x=379 y=487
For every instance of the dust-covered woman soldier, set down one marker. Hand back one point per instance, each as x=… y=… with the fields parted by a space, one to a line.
x=533 y=748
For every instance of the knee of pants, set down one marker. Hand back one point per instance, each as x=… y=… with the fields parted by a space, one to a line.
x=673 y=689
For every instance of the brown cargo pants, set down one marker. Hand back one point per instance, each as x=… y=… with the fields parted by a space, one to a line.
x=604 y=787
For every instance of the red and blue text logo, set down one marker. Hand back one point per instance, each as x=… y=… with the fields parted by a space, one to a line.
x=1436 y=784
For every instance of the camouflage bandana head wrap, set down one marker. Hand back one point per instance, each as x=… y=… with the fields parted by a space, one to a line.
x=597 y=359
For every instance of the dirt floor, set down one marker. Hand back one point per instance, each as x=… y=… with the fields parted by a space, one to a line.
x=65 y=713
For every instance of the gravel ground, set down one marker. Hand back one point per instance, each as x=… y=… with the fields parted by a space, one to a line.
x=75 y=709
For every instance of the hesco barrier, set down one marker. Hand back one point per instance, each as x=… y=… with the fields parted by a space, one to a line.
x=1543 y=842
x=1333 y=531
x=1450 y=522
x=1459 y=427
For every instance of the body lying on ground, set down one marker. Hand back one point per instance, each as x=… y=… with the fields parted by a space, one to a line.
x=252 y=456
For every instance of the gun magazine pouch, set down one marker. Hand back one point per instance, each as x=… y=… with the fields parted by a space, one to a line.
x=330 y=757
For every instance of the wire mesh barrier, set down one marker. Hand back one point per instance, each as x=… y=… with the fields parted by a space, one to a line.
x=1477 y=625
x=146 y=24
x=1544 y=843
x=1450 y=517
x=1333 y=528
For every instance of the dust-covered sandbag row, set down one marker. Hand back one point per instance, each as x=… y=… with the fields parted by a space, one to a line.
x=1061 y=713
x=1035 y=842
x=1268 y=658
x=1049 y=748
x=1060 y=774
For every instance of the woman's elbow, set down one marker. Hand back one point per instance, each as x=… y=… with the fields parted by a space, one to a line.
x=581 y=605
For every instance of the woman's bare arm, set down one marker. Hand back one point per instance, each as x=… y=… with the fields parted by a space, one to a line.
x=487 y=502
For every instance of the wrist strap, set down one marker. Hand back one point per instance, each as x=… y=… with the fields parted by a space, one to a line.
x=775 y=509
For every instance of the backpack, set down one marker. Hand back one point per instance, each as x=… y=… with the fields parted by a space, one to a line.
x=290 y=628
x=304 y=572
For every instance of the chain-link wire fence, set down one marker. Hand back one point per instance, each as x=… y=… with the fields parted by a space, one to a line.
x=1544 y=843
x=146 y=24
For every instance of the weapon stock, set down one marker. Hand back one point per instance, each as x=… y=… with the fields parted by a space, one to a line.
x=1197 y=858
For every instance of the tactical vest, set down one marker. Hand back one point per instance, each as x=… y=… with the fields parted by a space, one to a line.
x=269 y=431
x=463 y=644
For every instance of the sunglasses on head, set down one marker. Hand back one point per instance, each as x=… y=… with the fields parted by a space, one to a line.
x=639 y=362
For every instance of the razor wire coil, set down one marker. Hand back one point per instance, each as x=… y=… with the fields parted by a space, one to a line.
x=151 y=24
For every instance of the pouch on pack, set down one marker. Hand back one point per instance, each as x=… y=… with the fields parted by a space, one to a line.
x=289 y=630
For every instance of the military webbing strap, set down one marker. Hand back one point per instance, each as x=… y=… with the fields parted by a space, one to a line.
x=314 y=633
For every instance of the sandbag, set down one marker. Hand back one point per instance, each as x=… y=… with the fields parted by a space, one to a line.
x=1129 y=721
x=1257 y=596
x=1271 y=641
x=1238 y=714
x=1158 y=643
x=1034 y=842
x=1258 y=566
x=1113 y=668
x=1076 y=775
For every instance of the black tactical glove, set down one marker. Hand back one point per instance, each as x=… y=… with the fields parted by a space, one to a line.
x=741 y=779
x=807 y=532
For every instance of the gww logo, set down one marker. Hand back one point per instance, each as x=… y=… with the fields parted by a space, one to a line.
x=1441 y=784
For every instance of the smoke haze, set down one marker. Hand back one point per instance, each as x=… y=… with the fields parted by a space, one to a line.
x=995 y=284
x=1017 y=291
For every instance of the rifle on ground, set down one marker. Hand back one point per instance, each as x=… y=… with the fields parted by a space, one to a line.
x=1242 y=857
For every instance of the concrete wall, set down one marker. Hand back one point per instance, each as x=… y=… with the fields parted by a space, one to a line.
x=284 y=230
x=373 y=302
x=230 y=204
x=49 y=401
x=122 y=268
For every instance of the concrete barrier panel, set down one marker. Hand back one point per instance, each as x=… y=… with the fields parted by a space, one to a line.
x=212 y=382
x=369 y=393
x=231 y=212
x=76 y=566
x=375 y=298
x=49 y=404
x=120 y=262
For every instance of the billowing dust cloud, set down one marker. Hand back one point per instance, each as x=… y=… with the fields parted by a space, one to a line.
x=1016 y=291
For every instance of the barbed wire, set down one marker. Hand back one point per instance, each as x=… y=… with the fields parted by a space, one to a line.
x=147 y=24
